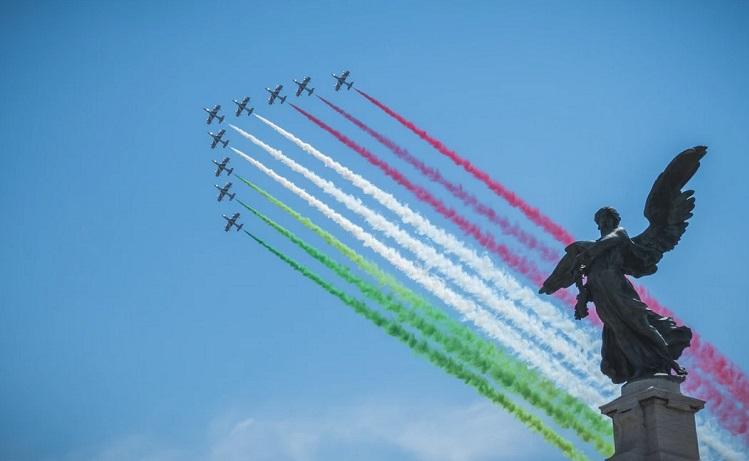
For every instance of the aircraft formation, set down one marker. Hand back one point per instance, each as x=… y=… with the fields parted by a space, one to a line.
x=243 y=106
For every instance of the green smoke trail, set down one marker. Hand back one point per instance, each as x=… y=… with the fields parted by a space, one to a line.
x=423 y=348
x=501 y=374
x=519 y=378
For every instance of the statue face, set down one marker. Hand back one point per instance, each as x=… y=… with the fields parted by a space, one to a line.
x=607 y=220
x=606 y=224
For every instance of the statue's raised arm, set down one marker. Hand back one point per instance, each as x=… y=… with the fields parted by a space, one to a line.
x=636 y=341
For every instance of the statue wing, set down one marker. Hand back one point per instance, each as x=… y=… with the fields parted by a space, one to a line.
x=565 y=272
x=668 y=207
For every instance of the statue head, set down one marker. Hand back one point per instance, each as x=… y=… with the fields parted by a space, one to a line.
x=607 y=219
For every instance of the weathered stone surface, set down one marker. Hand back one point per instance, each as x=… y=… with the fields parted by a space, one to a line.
x=654 y=421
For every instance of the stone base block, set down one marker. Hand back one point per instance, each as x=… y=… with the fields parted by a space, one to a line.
x=654 y=421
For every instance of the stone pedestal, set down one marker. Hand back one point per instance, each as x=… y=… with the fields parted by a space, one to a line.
x=654 y=421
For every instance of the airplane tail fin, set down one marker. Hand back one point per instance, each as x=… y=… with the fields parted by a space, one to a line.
x=231 y=196
x=312 y=90
x=249 y=112
x=220 y=118
x=230 y=170
x=239 y=227
x=350 y=84
x=282 y=98
x=225 y=143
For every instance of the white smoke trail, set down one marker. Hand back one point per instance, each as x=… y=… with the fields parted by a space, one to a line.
x=710 y=435
x=521 y=347
x=509 y=311
x=584 y=339
x=722 y=444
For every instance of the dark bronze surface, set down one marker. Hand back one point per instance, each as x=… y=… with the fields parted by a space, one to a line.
x=637 y=342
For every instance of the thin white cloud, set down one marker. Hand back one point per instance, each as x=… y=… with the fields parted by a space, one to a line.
x=266 y=440
x=403 y=431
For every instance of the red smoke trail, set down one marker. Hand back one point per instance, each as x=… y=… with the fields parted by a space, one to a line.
x=469 y=199
x=705 y=355
x=725 y=372
x=487 y=241
x=532 y=213
x=732 y=418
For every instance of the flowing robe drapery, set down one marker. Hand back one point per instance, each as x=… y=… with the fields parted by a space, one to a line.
x=636 y=340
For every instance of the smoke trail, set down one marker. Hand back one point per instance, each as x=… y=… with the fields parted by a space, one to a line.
x=457 y=190
x=423 y=348
x=719 y=405
x=369 y=267
x=532 y=213
x=736 y=420
x=726 y=372
x=486 y=240
x=486 y=349
x=467 y=308
x=582 y=338
x=732 y=409
x=433 y=284
x=506 y=372
x=709 y=434
x=733 y=414
x=707 y=357
x=474 y=285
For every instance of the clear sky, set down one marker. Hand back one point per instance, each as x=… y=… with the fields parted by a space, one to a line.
x=133 y=327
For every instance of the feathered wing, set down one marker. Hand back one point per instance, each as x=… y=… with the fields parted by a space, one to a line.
x=667 y=209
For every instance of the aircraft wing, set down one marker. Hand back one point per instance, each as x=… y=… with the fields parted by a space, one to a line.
x=278 y=89
x=338 y=84
x=299 y=90
x=228 y=226
x=344 y=75
x=213 y=144
x=218 y=171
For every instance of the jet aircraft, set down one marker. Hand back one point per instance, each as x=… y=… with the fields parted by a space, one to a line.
x=222 y=167
x=342 y=80
x=242 y=106
x=274 y=94
x=232 y=222
x=217 y=139
x=213 y=113
x=303 y=86
x=224 y=191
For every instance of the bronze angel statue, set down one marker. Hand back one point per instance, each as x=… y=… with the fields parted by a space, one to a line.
x=637 y=342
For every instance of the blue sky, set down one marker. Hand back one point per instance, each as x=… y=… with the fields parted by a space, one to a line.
x=132 y=327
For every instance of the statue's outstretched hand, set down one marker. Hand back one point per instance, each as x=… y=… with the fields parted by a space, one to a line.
x=581 y=311
x=581 y=306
